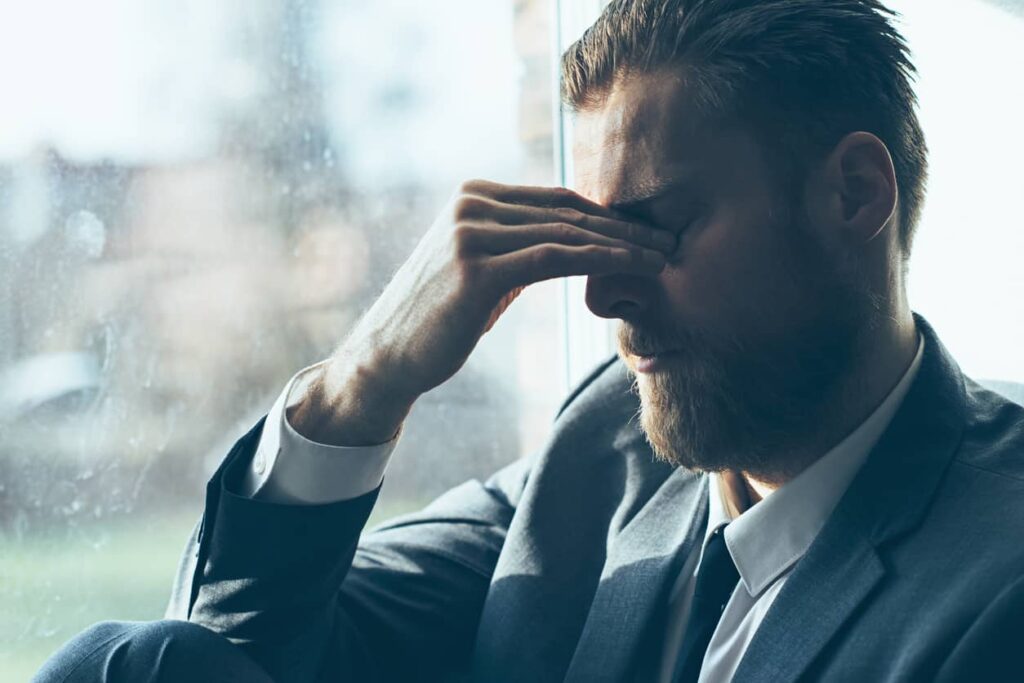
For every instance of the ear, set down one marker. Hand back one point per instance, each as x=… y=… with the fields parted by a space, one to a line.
x=854 y=195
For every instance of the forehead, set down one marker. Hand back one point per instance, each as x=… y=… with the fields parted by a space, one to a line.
x=644 y=133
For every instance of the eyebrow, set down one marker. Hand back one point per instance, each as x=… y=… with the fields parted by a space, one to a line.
x=641 y=194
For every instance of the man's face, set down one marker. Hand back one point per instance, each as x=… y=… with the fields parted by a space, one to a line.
x=741 y=338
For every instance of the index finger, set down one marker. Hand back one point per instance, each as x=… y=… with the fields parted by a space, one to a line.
x=547 y=197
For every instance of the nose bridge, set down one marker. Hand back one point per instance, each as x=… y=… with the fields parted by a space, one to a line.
x=626 y=297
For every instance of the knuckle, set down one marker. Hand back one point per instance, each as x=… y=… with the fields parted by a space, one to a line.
x=565 y=194
x=570 y=215
x=464 y=237
x=545 y=257
x=567 y=231
x=467 y=207
x=470 y=186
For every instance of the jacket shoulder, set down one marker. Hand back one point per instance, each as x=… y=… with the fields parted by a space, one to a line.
x=993 y=440
x=609 y=371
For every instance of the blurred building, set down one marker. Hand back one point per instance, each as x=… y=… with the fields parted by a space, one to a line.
x=152 y=311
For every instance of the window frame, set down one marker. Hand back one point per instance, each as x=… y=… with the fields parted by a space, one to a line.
x=586 y=339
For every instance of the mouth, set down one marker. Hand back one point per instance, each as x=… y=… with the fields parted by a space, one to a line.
x=648 y=362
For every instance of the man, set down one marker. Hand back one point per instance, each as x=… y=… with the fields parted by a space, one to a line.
x=813 y=490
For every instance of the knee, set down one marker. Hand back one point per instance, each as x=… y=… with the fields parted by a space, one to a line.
x=139 y=651
x=75 y=660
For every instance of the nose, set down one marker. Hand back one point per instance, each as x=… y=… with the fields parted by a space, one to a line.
x=625 y=297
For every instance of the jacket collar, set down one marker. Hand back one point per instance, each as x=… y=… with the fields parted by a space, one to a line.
x=888 y=498
x=770 y=537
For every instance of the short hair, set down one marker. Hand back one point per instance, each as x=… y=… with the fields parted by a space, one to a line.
x=801 y=74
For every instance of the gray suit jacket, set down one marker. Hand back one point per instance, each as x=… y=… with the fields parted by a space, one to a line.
x=558 y=567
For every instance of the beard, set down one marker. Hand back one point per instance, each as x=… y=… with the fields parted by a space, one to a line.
x=721 y=403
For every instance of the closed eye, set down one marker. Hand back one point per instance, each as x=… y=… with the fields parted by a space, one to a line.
x=683 y=230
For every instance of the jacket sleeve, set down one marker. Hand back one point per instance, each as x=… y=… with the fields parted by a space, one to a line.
x=305 y=597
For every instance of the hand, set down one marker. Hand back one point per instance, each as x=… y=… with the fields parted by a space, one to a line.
x=489 y=243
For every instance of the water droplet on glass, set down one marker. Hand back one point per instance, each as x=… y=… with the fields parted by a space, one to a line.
x=86 y=233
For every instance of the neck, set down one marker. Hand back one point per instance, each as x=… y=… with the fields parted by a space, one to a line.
x=885 y=354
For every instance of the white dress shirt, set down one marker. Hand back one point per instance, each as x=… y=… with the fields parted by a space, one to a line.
x=289 y=468
x=765 y=542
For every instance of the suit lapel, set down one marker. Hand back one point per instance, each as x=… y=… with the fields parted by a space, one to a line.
x=830 y=582
x=888 y=497
x=641 y=565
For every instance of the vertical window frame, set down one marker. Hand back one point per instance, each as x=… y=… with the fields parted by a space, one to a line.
x=586 y=339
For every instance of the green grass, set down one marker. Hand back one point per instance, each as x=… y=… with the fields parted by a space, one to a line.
x=53 y=585
x=57 y=583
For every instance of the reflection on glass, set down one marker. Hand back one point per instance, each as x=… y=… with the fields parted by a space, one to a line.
x=196 y=200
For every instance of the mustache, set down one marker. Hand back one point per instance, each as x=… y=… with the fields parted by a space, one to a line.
x=649 y=339
x=652 y=338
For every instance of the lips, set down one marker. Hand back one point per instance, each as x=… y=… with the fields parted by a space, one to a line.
x=647 y=363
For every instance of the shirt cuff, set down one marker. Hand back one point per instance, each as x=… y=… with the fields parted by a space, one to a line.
x=289 y=468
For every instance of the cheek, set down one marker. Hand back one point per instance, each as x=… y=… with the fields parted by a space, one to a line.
x=735 y=277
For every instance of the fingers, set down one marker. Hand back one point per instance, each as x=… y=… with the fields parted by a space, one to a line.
x=499 y=239
x=548 y=261
x=544 y=197
x=541 y=233
x=512 y=215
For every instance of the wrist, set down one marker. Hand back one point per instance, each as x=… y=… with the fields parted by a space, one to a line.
x=351 y=403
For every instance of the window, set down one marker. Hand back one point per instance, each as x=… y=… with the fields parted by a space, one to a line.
x=966 y=272
x=196 y=199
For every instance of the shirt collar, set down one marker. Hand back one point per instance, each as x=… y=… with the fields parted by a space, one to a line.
x=769 y=537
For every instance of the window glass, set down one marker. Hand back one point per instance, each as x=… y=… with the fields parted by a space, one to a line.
x=589 y=339
x=196 y=200
x=966 y=272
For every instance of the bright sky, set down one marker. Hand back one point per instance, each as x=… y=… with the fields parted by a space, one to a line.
x=967 y=272
x=117 y=78
x=147 y=81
